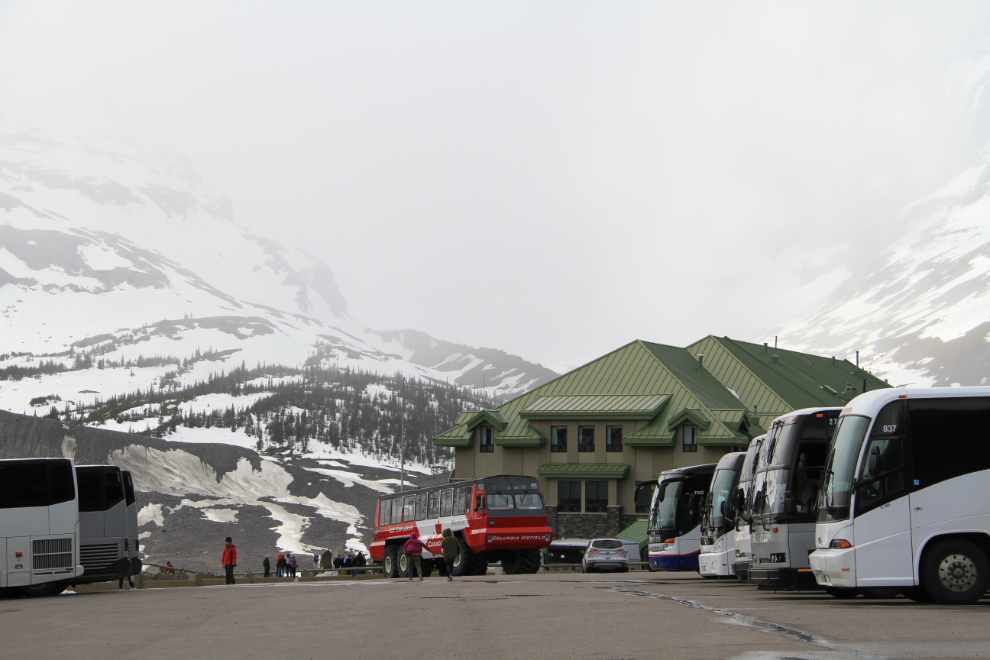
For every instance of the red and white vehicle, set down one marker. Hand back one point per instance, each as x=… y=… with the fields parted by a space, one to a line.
x=500 y=518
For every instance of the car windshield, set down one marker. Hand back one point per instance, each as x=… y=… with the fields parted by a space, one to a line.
x=841 y=467
x=606 y=544
x=664 y=514
x=529 y=501
x=721 y=489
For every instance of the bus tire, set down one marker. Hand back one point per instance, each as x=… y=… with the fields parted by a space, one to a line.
x=467 y=560
x=427 y=565
x=39 y=590
x=9 y=592
x=390 y=562
x=403 y=565
x=955 y=572
x=529 y=561
x=839 y=592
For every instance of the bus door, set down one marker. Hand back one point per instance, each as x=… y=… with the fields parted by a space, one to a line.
x=882 y=535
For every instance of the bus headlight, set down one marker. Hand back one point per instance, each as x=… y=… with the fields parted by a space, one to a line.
x=840 y=544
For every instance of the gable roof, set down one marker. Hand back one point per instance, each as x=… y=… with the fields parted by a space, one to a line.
x=798 y=379
x=599 y=406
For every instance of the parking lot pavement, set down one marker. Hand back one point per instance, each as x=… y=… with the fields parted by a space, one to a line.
x=541 y=616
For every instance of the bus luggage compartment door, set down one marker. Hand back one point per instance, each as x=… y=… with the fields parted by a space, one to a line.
x=18 y=568
x=882 y=540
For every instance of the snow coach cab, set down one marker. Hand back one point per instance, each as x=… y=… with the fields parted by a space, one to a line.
x=102 y=522
x=39 y=526
x=501 y=518
x=675 y=517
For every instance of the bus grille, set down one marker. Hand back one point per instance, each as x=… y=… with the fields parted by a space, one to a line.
x=94 y=557
x=51 y=554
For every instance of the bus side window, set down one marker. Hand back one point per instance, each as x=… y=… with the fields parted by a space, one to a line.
x=409 y=508
x=458 y=501
x=446 y=498
x=434 y=508
x=396 y=510
x=385 y=508
x=420 y=506
x=479 y=503
x=467 y=500
x=949 y=437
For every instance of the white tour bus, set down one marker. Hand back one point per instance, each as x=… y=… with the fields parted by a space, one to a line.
x=742 y=506
x=718 y=519
x=102 y=522
x=675 y=517
x=132 y=546
x=906 y=501
x=39 y=526
x=786 y=497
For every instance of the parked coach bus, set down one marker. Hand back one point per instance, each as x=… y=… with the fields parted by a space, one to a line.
x=499 y=518
x=743 y=508
x=674 y=527
x=39 y=526
x=906 y=501
x=786 y=499
x=718 y=521
x=102 y=522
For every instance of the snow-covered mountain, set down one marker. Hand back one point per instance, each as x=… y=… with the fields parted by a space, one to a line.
x=101 y=244
x=130 y=301
x=921 y=313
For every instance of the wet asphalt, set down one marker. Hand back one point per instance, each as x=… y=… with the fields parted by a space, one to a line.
x=634 y=615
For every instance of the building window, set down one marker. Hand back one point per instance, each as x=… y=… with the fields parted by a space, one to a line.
x=558 y=438
x=595 y=496
x=586 y=438
x=690 y=434
x=613 y=438
x=487 y=439
x=569 y=496
x=644 y=498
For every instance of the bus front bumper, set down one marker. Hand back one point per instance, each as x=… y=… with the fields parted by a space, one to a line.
x=688 y=562
x=715 y=563
x=834 y=567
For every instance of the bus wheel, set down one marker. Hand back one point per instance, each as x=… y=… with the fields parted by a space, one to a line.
x=529 y=561
x=427 y=565
x=403 y=565
x=9 y=593
x=838 y=592
x=468 y=562
x=390 y=562
x=955 y=572
x=39 y=590
x=512 y=562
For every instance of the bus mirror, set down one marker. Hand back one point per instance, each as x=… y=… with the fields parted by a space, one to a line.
x=790 y=508
x=874 y=462
x=725 y=508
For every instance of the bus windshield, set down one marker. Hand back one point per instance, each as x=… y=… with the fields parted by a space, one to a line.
x=841 y=467
x=664 y=514
x=721 y=489
x=770 y=487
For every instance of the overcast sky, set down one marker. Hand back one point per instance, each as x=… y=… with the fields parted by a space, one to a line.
x=552 y=179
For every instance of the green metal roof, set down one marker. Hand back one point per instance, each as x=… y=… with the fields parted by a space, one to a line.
x=597 y=406
x=636 y=532
x=799 y=380
x=584 y=470
x=700 y=381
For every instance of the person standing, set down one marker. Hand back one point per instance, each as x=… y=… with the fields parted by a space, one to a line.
x=413 y=550
x=280 y=565
x=292 y=565
x=267 y=565
x=360 y=561
x=229 y=559
x=451 y=550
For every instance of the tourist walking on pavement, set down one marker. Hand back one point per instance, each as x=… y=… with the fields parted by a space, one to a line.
x=451 y=549
x=413 y=550
x=267 y=565
x=229 y=559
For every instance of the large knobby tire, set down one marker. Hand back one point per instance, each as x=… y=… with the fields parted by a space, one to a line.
x=390 y=562
x=403 y=565
x=955 y=572
x=512 y=562
x=427 y=565
x=467 y=562
x=529 y=561
x=839 y=592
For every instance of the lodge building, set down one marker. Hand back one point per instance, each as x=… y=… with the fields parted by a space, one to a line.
x=592 y=434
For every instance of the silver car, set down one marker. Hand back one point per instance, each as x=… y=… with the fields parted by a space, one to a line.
x=605 y=554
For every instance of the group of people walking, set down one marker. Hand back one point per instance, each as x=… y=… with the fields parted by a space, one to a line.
x=285 y=565
x=413 y=550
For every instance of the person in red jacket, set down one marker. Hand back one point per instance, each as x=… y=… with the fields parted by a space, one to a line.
x=414 y=553
x=229 y=559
